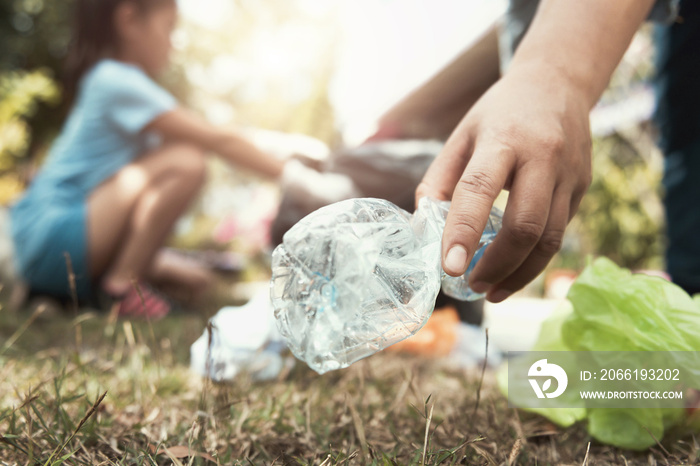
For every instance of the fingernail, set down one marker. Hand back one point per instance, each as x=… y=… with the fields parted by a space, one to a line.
x=480 y=287
x=499 y=295
x=456 y=260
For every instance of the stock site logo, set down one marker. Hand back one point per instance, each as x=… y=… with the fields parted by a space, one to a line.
x=541 y=369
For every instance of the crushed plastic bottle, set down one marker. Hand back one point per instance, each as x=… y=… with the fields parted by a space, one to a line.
x=359 y=275
x=435 y=212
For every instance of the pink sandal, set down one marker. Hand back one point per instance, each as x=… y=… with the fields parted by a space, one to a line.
x=141 y=302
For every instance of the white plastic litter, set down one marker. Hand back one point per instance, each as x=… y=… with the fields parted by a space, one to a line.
x=357 y=276
x=470 y=348
x=242 y=338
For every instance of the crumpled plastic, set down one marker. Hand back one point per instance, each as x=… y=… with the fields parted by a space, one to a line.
x=240 y=338
x=611 y=309
x=357 y=276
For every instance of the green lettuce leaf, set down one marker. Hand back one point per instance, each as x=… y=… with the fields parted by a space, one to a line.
x=612 y=309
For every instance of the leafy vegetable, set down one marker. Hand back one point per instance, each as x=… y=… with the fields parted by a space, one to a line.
x=612 y=309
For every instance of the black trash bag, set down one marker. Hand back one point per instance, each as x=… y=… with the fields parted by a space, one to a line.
x=388 y=170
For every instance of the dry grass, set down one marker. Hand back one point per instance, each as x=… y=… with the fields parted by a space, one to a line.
x=389 y=409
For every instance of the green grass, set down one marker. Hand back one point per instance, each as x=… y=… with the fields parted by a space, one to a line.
x=389 y=409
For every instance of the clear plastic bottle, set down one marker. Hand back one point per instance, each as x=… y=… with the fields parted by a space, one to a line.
x=357 y=276
x=435 y=212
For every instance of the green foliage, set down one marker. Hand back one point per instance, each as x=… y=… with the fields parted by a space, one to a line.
x=34 y=33
x=21 y=95
x=621 y=216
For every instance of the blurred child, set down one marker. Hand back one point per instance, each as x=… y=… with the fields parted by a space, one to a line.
x=126 y=165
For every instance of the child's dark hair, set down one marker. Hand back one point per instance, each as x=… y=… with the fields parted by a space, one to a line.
x=94 y=36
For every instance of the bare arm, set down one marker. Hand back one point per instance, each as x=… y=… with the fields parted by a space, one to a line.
x=181 y=125
x=581 y=41
x=530 y=134
x=316 y=189
x=435 y=108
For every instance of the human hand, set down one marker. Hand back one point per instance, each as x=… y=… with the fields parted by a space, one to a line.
x=528 y=134
x=316 y=188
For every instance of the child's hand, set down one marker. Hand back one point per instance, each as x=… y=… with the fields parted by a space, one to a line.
x=318 y=189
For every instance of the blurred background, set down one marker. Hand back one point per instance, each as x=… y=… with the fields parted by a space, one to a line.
x=312 y=77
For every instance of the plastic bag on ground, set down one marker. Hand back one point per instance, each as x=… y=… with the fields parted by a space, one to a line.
x=242 y=339
x=611 y=309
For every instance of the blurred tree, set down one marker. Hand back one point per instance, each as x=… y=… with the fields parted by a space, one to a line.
x=21 y=94
x=621 y=216
x=34 y=33
x=35 y=36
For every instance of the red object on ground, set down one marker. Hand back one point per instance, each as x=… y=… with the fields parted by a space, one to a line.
x=436 y=338
x=142 y=302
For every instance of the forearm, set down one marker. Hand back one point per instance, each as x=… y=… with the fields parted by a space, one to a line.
x=182 y=125
x=580 y=42
x=435 y=108
x=239 y=151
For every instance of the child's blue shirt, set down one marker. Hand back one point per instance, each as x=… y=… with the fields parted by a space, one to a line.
x=104 y=130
